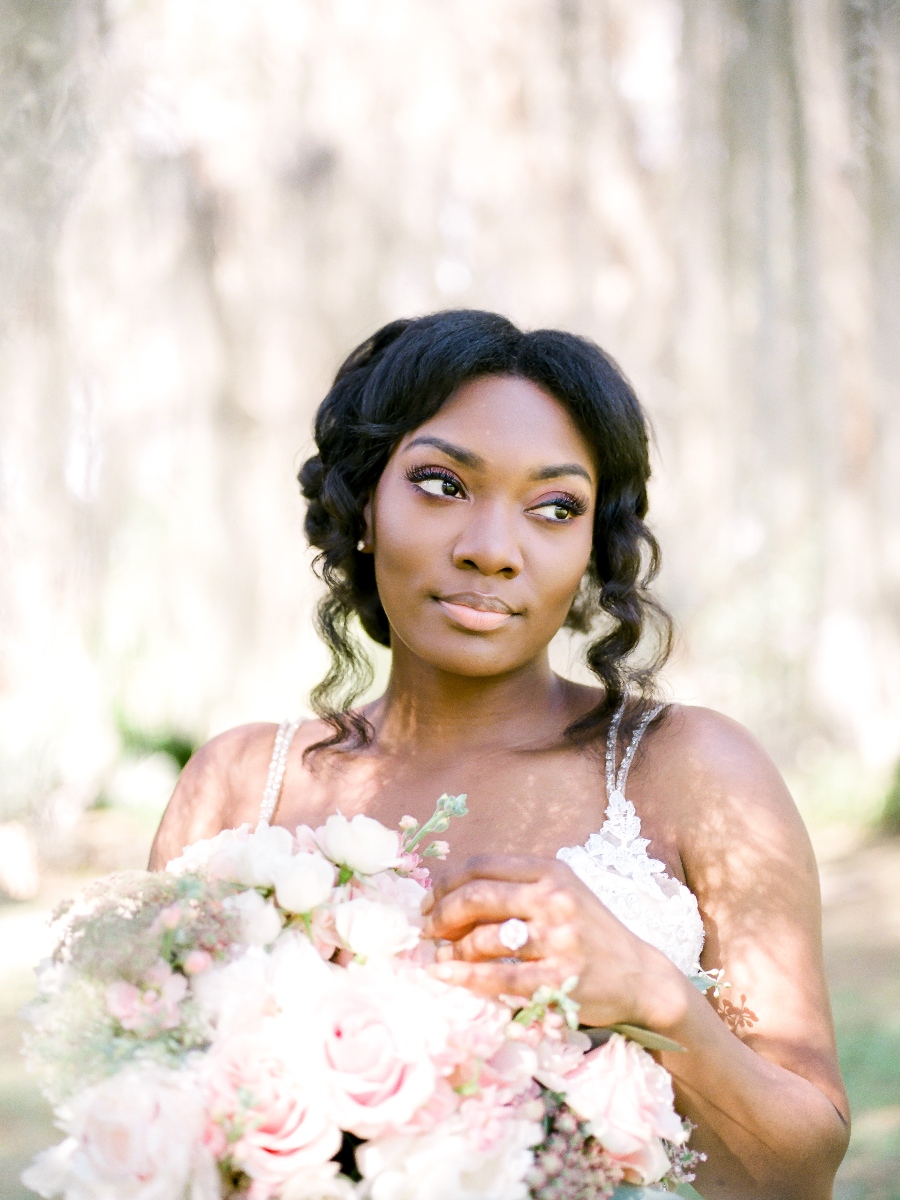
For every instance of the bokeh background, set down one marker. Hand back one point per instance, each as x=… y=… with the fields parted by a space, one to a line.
x=204 y=205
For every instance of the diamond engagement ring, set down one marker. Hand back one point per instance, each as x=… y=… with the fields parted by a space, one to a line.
x=513 y=934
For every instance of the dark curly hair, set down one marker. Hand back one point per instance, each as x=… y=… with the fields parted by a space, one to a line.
x=394 y=382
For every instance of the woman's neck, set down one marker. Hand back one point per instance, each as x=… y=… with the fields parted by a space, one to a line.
x=433 y=708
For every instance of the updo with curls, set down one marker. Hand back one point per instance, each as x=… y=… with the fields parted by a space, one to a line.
x=394 y=382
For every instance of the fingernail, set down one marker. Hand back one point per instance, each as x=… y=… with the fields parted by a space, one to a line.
x=443 y=970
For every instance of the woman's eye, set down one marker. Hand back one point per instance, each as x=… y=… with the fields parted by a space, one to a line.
x=437 y=485
x=560 y=512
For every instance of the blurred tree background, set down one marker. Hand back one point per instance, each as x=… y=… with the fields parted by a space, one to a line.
x=204 y=206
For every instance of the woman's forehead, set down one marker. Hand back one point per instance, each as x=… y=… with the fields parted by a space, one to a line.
x=505 y=417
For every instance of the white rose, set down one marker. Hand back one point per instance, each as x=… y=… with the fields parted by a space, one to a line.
x=363 y=844
x=238 y=855
x=426 y=1167
x=319 y=1183
x=265 y=850
x=374 y=930
x=260 y=922
x=237 y=995
x=135 y=1136
x=442 y=1165
x=303 y=882
x=226 y=847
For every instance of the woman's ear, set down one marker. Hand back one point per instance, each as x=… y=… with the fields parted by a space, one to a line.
x=364 y=545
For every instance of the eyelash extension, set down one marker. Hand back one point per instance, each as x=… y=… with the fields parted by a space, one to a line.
x=574 y=504
x=417 y=474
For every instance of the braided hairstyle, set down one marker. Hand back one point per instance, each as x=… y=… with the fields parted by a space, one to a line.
x=390 y=385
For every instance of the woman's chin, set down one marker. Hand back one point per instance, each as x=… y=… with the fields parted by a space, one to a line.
x=475 y=656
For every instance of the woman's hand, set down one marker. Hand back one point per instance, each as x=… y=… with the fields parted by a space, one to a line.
x=570 y=932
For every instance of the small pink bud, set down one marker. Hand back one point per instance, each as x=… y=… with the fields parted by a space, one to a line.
x=197 y=962
x=169 y=917
x=407 y=823
x=440 y=849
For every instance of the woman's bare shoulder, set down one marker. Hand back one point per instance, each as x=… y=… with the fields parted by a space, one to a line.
x=736 y=818
x=713 y=762
x=222 y=785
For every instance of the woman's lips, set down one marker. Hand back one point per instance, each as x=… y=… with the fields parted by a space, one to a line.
x=480 y=614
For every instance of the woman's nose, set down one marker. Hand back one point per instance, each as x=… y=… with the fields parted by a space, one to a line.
x=488 y=543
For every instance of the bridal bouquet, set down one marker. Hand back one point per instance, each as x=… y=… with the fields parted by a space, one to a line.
x=259 y=1021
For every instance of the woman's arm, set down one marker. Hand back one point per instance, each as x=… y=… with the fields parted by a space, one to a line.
x=760 y=1076
x=763 y=1080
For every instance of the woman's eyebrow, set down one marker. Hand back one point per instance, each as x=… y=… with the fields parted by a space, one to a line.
x=563 y=469
x=466 y=458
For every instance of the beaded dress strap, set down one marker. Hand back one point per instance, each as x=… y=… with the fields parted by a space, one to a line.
x=615 y=782
x=277 y=765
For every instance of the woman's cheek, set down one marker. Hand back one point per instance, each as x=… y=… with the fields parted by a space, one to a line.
x=557 y=577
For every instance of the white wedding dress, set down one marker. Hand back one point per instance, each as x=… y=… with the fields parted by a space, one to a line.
x=614 y=863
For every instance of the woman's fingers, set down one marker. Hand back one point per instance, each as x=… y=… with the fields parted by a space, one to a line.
x=499 y=979
x=510 y=868
x=476 y=903
x=486 y=942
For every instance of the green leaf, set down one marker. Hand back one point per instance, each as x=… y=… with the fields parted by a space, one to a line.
x=635 y=1191
x=647 y=1038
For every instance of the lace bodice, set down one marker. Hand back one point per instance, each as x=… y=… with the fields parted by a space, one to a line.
x=615 y=865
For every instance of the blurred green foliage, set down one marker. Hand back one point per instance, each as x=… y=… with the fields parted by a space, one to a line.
x=890 y=815
x=140 y=742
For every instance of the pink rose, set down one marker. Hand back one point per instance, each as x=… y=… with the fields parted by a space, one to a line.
x=511 y=1069
x=275 y=1126
x=475 y=1025
x=558 y=1058
x=628 y=1101
x=378 y=1044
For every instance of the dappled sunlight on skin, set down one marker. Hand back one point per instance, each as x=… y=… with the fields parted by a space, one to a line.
x=481 y=713
x=750 y=863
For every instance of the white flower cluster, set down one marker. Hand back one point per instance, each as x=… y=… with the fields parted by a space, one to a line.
x=326 y=1031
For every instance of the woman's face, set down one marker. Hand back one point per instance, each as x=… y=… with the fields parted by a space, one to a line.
x=481 y=528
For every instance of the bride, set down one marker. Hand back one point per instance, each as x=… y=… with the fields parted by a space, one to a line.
x=475 y=489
